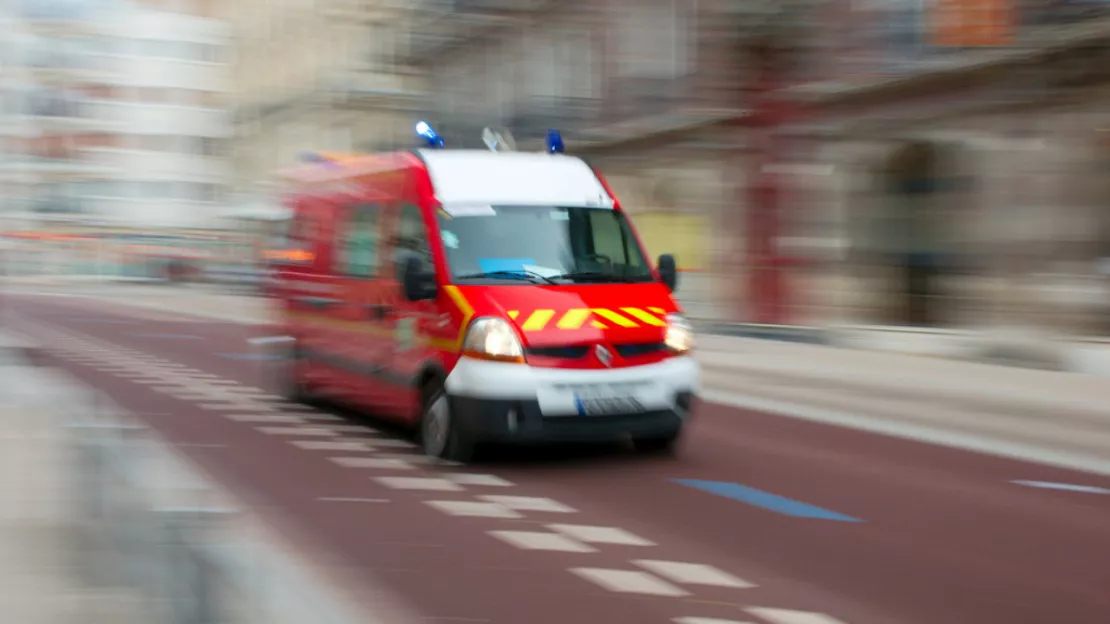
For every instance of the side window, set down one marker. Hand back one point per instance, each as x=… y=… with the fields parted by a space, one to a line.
x=360 y=245
x=610 y=239
x=412 y=239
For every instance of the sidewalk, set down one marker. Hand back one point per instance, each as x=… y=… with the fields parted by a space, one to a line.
x=38 y=580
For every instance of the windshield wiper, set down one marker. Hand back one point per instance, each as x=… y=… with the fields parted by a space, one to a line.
x=599 y=276
x=521 y=274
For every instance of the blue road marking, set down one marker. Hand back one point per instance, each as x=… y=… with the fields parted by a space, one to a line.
x=249 y=356
x=772 y=502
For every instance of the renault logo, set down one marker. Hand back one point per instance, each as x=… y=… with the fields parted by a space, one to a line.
x=604 y=355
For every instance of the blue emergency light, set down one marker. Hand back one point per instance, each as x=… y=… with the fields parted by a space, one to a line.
x=425 y=131
x=554 y=142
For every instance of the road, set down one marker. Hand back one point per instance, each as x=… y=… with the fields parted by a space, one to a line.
x=760 y=519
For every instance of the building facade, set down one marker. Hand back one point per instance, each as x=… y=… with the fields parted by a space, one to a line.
x=314 y=76
x=936 y=175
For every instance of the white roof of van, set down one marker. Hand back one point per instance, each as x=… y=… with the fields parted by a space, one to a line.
x=513 y=178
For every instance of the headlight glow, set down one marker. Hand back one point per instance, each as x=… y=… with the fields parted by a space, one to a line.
x=492 y=338
x=680 y=336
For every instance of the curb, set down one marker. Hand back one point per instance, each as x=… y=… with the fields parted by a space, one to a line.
x=1025 y=408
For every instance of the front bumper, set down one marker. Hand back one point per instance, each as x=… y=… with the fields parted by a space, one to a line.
x=513 y=421
x=515 y=403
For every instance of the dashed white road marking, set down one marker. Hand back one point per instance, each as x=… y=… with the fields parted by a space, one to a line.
x=479 y=479
x=320 y=416
x=787 y=616
x=390 y=443
x=600 y=535
x=347 y=446
x=340 y=499
x=354 y=429
x=701 y=620
x=706 y=621
x=474 y=509
x=693 y=573
x=236 y=407
x=430 y=484
x=372 y=462
x=305 y=431
x=531 y=540
x=630 y=582
x=266 y=418
x=529 y=503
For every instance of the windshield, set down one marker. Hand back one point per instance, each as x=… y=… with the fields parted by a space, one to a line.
x=548 y=244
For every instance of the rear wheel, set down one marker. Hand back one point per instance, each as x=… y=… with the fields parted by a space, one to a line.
x=439 y=435
x=293 y=386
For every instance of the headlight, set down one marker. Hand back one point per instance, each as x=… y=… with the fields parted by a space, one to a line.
x=492 y=338
x=680 y=336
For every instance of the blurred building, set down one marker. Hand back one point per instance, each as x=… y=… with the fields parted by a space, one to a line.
x=115 y=124
x=314 y=76
x=936 y=163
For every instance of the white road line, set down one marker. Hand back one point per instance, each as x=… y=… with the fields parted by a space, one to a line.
x=701 y=620
x=787 y=616
x=224 y=382
x=265 y=418
x=340 y=499
x=693 y=573
x=304 y=431
x=372 y=462
x=354 y=429
x=1068 y=487
x=479 y=479
x=529 y=503
x=629 y=582
x=532 y=540
x=239 y=407
x=430 y=484
x=474 y=509
x=391 y=443
x=600 y=535
x=331 y=445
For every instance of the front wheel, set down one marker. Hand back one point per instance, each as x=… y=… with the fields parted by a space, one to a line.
x=440 y=437
x=664 y=445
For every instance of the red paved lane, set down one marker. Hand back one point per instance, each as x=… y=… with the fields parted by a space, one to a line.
x=945 y=537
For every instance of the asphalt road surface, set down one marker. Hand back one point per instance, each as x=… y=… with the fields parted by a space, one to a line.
x=759 y=519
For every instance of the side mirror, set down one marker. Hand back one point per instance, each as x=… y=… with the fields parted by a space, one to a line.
x=668 y=271
x=419 y=284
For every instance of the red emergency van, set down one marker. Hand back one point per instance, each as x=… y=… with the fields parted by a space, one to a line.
x=481 y=296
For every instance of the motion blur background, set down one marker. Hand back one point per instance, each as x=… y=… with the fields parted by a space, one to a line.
x=917 y=173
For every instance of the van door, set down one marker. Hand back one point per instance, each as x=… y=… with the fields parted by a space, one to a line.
x=359 y=335
x=410 y=320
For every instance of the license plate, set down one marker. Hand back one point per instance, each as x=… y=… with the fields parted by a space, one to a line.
x=608 y=406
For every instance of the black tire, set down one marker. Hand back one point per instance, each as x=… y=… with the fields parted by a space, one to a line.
x=293 y=387
x=657 y=445
x=439 y=437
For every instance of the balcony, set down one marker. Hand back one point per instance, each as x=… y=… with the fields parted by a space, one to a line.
x=632 y=97
x=376 y=89
x=434 y=26
x=532 y=117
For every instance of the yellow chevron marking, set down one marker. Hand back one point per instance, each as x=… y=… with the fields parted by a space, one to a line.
x=615 y=318
x=598 y=324
x=574 y=318
x=658 y=310
x=637 y=313
x=513 y=314
x=538 y=320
